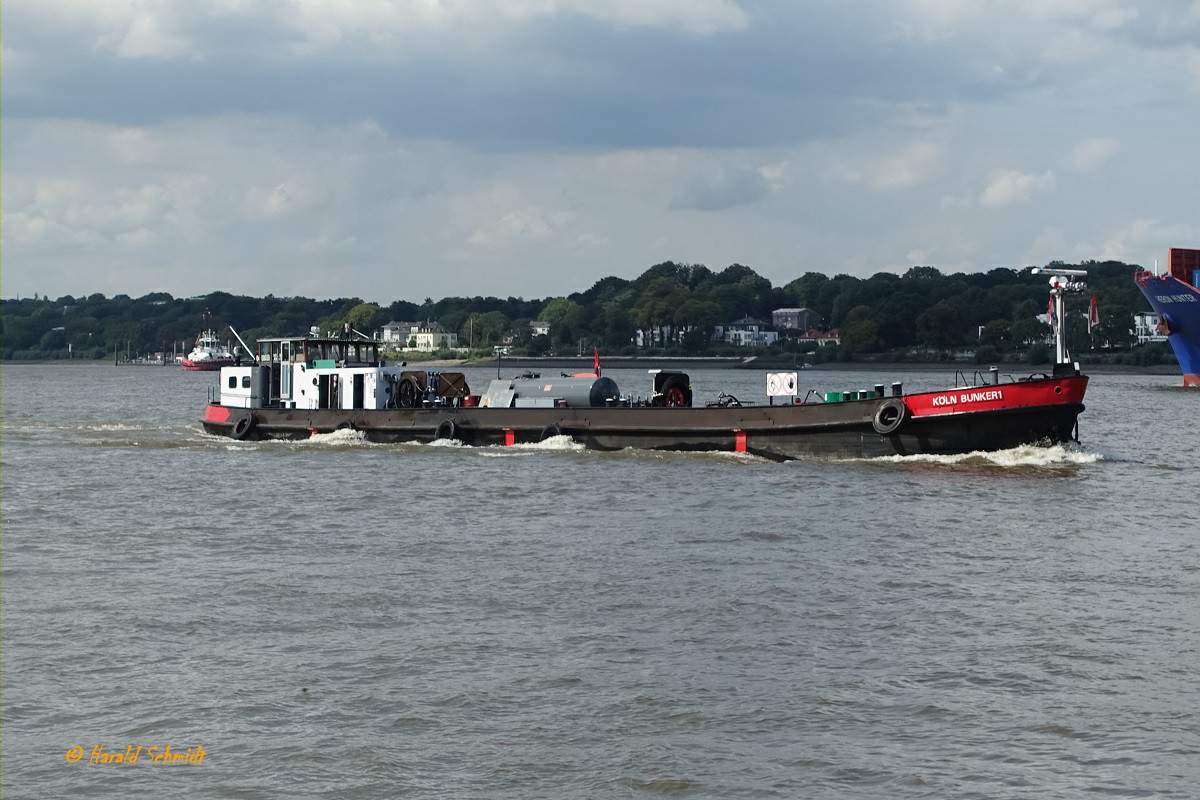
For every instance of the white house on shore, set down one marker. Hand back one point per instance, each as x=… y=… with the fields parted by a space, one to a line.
x=799 y=319
x=821 y=338
x=420 y=336
x=746 y=332
x=1145 y=327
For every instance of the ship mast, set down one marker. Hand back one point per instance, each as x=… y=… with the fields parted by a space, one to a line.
x=1061 y=282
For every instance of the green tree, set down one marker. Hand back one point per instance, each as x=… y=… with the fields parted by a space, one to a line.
x=697 y=318
x=986 y=354
x=940 y=325
x=615 y=326
x=860 y=332
x=559 y=311
x=1039 y=354
x=1027 y=331
x=484 y=330
x=367 y=318
x=804 y=292
x=923 y=274
x=55 y=339
x=996 y=334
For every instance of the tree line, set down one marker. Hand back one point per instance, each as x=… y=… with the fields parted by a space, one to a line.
x=920 y=314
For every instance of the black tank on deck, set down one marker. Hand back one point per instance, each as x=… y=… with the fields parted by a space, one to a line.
x=567 y=392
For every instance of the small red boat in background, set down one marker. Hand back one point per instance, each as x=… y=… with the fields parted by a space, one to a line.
x=209 y=354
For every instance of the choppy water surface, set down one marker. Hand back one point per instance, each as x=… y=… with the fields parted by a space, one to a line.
x=335 y=618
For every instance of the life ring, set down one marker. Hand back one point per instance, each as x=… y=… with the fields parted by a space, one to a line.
x=446 y=429
x=550 y=431
x=243 y=427
x=890 y=415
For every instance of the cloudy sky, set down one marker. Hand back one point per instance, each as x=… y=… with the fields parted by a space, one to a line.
x=403 y=149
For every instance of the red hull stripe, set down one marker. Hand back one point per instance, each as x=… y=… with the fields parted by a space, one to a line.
x=997 y=398
x=211 y=365
x=739 y=441
x=216 y=414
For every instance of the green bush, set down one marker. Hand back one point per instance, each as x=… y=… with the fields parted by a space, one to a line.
x=1038 y=354
x=986 y=354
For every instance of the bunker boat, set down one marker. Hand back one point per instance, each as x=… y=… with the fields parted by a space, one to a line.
x=301 y=386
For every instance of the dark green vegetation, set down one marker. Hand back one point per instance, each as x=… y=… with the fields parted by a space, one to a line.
x=921 y=315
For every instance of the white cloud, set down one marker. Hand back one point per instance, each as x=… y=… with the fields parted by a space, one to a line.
x=53 y=194
x=1189 y=58
x=128 y=28
x=722 y=186
x=23 y=229
x=504 y=216
x=325 y=245
x=1112 y=18
x=163 y=29
x=1141 y=241
x=520 y=223
x=1126 y=241
x=957 y=201
x=1091 y=153
x=284 y=198
x=133 y=146
x=777 y=175
x=1049 y=245
x=327 y=23
x=146 y=36
x=700 y=17
x=590 y=240
x=912 y=164
x=138 y=238
x=434 y=147
x=146 y=205
x=1015 y=187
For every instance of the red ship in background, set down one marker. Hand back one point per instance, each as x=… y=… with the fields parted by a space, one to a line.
x=1176 y=300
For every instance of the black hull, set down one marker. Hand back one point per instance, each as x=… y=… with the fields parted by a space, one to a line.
x=840 y=430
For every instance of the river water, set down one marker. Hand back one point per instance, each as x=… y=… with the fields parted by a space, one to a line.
x=340 y=619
